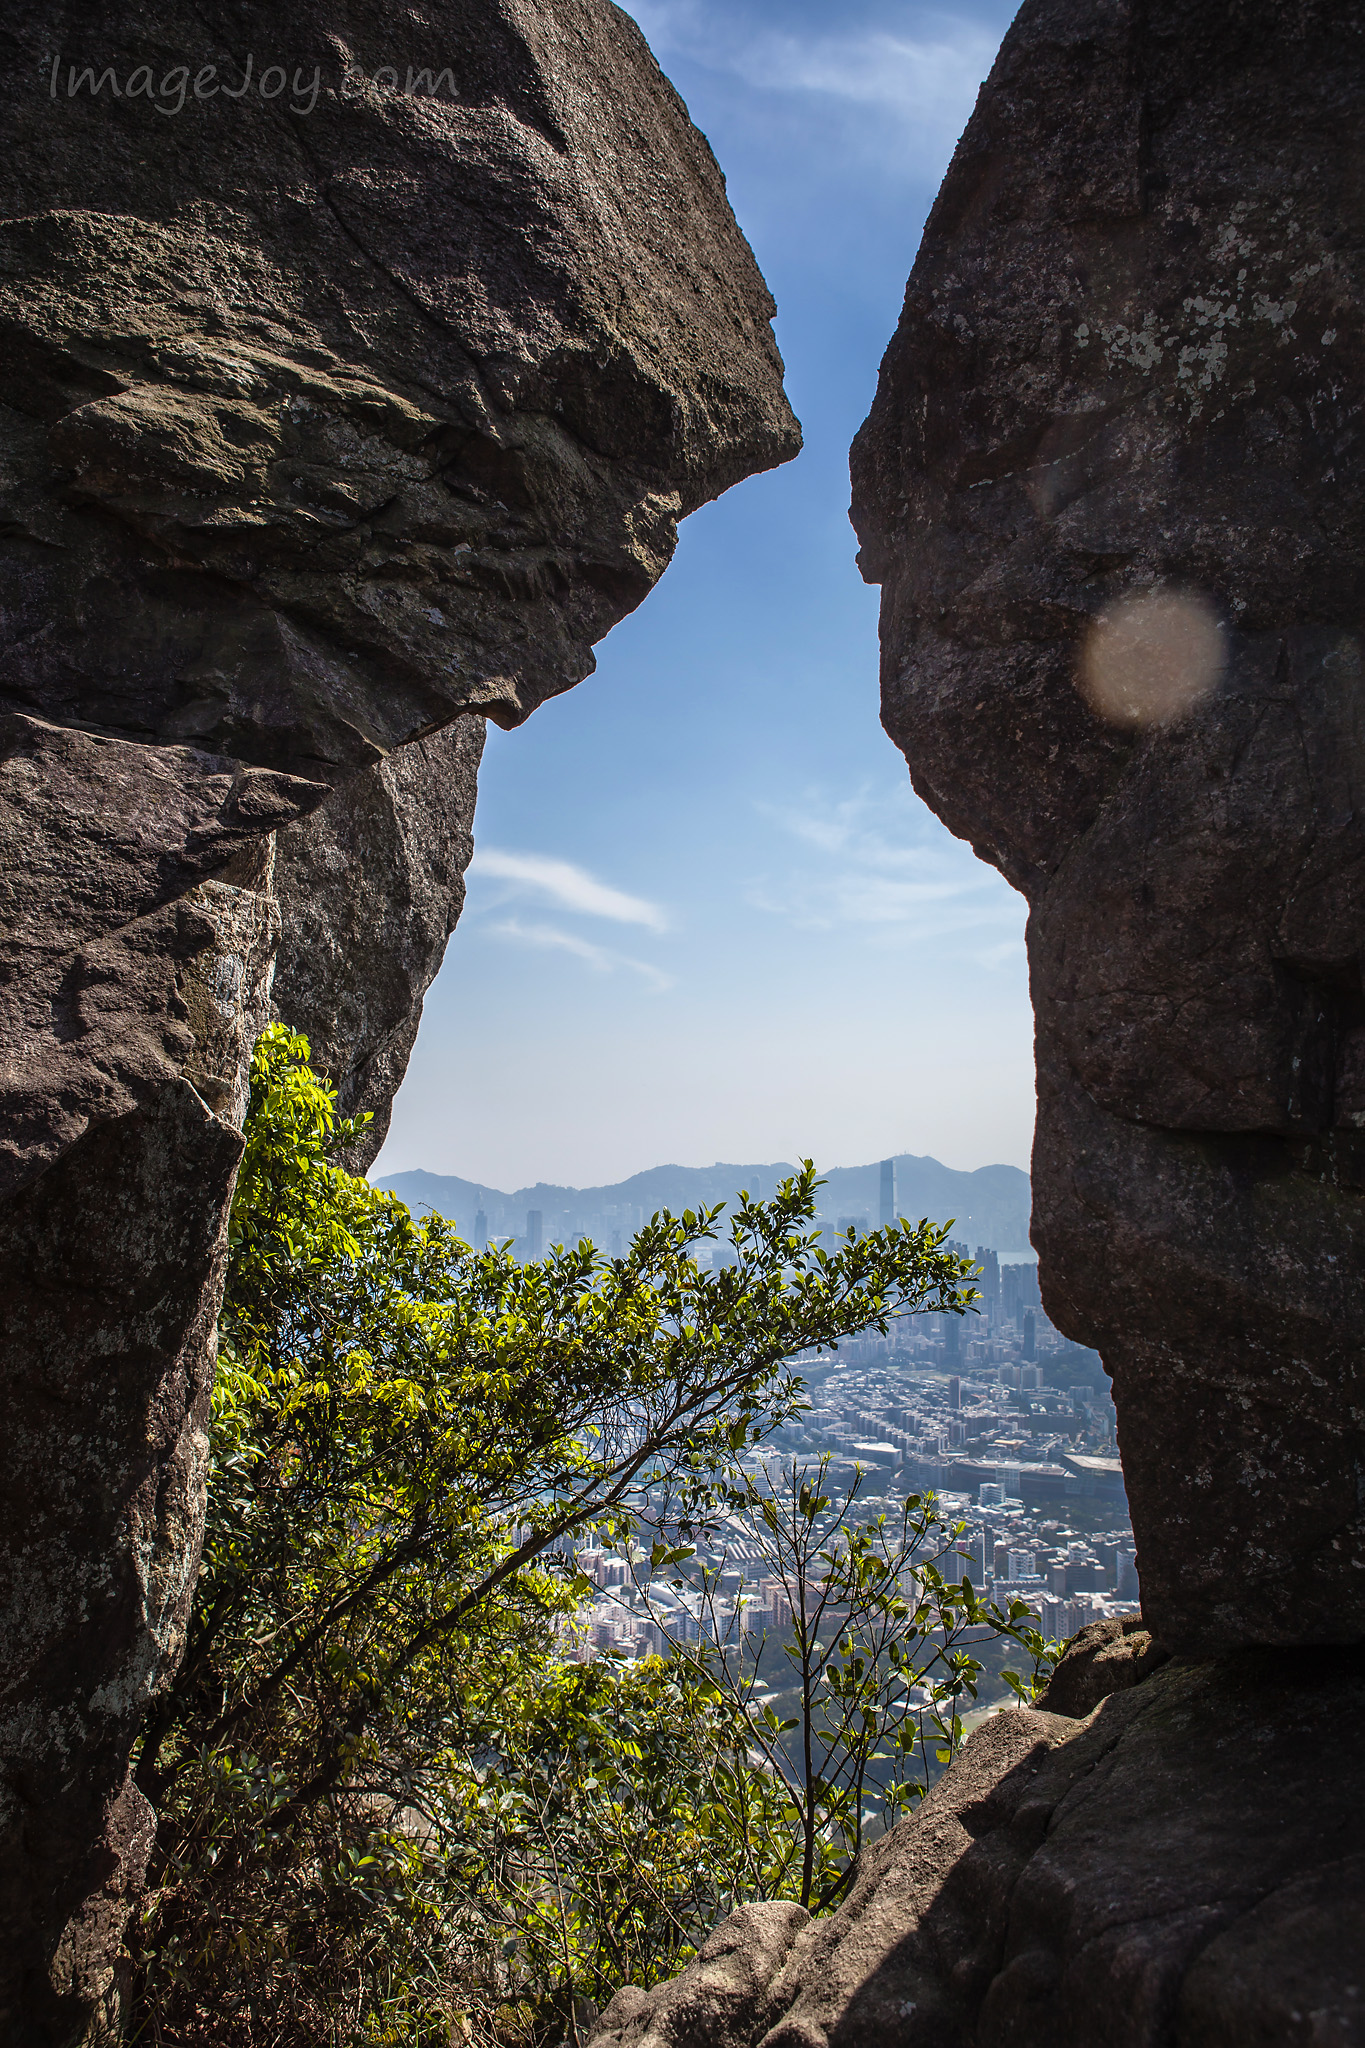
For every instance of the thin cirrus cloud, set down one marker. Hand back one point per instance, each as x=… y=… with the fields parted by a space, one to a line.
x=927 y=81
x=568 y=886
x=874 y=873
x=602 y=958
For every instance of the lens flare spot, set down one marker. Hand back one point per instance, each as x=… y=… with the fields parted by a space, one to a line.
x=1149 y=659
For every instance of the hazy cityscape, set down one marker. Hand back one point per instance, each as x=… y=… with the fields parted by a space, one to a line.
x=1004 y=1419
x=988 y=1207
x=1001 y=1425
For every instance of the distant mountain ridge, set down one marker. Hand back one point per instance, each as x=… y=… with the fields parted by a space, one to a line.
x=990 y=1206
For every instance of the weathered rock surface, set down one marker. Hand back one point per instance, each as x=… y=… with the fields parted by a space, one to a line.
x=370 y=887
x=1105 y=1658
x=330 y=421
x=715 y=1999
x=1180 y=1869
x=1129 y=362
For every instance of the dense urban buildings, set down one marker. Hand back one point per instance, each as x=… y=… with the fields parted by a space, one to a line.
x=1008 y=1423
x=1003 y=1420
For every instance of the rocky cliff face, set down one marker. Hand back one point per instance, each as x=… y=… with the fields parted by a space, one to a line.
x=370 y=887
x=1111 y=1878
x=1112 y=489
x=336 y=420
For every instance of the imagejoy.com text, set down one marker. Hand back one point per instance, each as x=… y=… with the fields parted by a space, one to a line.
x=183 y=84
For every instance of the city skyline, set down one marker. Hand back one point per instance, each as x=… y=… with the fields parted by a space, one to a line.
x=989 y=1205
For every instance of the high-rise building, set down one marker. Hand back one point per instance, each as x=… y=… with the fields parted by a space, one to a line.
x=989 y=1282
x=480 y=1224
x=954 y=1388
x=1030 y=1334
x=888 y=1199
x=1127 y=1588
x=616 y=1244
x=535 y=1232
x=849 y=1225
x=970 y=1559
x=1018 y=1291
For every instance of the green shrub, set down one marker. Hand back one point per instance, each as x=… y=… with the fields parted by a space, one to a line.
x=390 y=1806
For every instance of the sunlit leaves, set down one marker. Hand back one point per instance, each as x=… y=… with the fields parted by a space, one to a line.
x=406 y=1435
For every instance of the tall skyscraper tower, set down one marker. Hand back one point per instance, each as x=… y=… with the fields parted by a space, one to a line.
x=480 y=1224
x=888 y=1202
x=534 y=1233
x=989 y=1283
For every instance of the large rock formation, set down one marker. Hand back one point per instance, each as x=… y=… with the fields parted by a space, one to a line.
x=1179 y=1869
x=1113 y=487
x=360 y=365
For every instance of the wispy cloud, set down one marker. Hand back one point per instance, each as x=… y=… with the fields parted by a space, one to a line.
x=927 y=79
x=999 y=956
x=877 y=871
x=871 y=831
x=601 y=958
x=573 y=888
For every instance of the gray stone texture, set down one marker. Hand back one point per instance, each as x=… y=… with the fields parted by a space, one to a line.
x=1105 y=1657
x=716 y=1999
x=1129 y=362
x=370 y=886
x=324 y=436
x=1179 y=1869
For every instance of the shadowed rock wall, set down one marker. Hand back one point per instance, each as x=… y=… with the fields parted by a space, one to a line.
x=370 y=887
x=1119 y=1877
x=332 y=424
x=1124 y=401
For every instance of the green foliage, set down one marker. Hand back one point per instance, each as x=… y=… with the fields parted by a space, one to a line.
x=591 y=1838
x=880 y=1666
x=388 y=1806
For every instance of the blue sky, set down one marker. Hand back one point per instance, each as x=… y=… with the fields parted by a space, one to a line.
x=708 y=918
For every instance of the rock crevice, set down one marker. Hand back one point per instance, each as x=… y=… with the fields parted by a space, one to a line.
x=1111 y=487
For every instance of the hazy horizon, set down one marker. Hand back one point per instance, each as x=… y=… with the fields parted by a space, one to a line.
x=989 y=1205
x=687 y=1166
